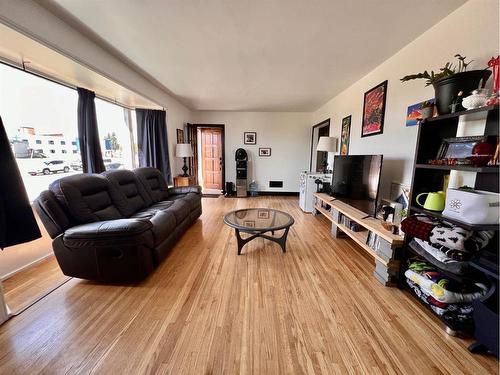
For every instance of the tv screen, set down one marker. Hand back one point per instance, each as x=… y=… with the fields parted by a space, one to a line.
x=356 y=180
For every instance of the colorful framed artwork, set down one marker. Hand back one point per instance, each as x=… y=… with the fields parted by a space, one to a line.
x=345 y=134
x=414 y=112
x=250 y=138
x=180 y=136
x=374 y=110
x=264 y=151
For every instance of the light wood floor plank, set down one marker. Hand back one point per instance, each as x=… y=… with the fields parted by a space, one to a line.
x=315 y=310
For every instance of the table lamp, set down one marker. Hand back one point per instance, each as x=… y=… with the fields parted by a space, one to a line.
x=184 y=150
x=328 y=144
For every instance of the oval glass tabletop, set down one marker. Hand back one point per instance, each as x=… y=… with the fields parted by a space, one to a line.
x=258 y=219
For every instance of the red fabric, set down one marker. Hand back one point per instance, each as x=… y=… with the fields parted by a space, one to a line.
x=416 y=226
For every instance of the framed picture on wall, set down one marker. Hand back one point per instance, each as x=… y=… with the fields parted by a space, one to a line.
x=374 y=110
x=250 y=138
x=264 y=151
x=180 y=136
x=345 y=134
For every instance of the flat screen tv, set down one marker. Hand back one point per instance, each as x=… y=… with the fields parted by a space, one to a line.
x=356 y=181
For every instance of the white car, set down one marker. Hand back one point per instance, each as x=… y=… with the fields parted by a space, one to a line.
x=51 y=166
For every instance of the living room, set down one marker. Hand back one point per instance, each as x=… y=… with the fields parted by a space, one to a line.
x=158 y=153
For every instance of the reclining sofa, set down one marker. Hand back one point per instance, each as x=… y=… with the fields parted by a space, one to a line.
x=116 y=226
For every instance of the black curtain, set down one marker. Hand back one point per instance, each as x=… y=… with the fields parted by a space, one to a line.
x=152 y=140
x=88 y=133
x=17 y=222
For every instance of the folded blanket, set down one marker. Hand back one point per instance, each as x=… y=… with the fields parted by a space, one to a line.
x=451 y=313
x=419 y=226
x=437 y=255
x=441 y=288
x=457 y=238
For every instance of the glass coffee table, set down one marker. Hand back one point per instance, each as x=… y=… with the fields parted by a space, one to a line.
x=256 y=222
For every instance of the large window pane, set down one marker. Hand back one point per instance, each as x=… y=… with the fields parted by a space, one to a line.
x=115 y=136
x=40 y=120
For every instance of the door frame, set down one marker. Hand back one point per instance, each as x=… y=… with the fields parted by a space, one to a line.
x=318 y=125
x=222 y=127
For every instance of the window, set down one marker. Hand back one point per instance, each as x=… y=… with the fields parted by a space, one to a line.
x=73 y=143
x=63 y=143
x=37 y=110
x=75 y=151
x=64 y=151
x=115 y=136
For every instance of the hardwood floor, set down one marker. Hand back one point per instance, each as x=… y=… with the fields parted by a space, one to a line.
x=27 y=285
x=205 y=310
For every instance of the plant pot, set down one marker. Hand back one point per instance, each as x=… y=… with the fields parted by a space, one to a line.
x=446 y=89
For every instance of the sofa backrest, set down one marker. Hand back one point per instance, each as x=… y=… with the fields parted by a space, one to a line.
x=154 y=183
x=51 y=213
x=86 y=198
x=127 y=192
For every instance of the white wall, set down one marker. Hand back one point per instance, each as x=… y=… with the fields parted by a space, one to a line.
x=472 y=30
x=287 y=133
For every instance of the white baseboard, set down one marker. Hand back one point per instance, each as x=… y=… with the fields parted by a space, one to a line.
x=38 y=260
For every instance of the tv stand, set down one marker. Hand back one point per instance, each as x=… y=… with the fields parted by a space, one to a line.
x=372 y=237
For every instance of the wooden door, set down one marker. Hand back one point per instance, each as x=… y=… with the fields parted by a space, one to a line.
x=211 y=153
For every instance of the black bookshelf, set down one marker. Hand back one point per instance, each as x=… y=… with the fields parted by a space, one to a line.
x=428 y=177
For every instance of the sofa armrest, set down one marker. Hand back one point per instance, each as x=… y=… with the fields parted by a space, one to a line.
x=184 y=190
x=108 y=229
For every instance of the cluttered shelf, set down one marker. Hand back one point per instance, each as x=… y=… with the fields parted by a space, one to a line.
x=455 y=221
x=476 y=111
x=464 y=168
x=466 y=328
x=469 y=272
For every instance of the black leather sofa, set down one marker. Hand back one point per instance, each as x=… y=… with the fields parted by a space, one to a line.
x=116 y=226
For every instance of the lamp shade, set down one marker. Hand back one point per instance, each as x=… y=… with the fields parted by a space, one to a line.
x=183 y=150
x=328 y=144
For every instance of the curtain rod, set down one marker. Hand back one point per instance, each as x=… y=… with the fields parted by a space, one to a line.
x=22 y=67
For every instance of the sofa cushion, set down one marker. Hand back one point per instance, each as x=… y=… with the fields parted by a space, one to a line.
x=110 y=233
x=127 y=191
x=192 y=199
x=154 y=183
x=86 y=198
x=180 y=209
x=163 y=222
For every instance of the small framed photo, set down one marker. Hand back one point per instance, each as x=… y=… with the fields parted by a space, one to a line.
x=249 y=223
x=250 y=138
x=263 y=214
x=180 y=136
x=264 y=151
x=459 y=147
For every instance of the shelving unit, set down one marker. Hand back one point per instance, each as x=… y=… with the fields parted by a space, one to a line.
x=367 y=225
x=464 y=168
x=428 y=178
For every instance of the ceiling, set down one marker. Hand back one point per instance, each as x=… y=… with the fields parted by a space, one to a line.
x=16 y=49
x=259 y=55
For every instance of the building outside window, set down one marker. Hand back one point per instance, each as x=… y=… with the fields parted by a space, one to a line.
x=116 y=145
x=38 y=114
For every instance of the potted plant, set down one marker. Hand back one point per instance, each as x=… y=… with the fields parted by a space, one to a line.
x=426 y=109
x=450 y=80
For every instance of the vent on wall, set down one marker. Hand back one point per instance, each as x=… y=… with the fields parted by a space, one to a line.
x=276 y=184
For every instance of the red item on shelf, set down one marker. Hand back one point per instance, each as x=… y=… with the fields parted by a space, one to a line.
x=493 y=64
